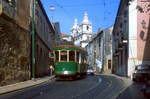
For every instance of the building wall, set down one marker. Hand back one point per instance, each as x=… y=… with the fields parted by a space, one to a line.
x=42 y=58
x=108 y=50
x=43 y=26
x=139 y=34
x=14 y=52
x=45 y=40
x=23 y=18
x=120 y=34
x=14 y=42
x=99 y=48
x=136 y=50
x=143 y=32
x=132 y=60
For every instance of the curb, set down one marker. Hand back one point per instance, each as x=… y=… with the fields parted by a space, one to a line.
x=126 y=85
x=123 y=80
x=23 y=85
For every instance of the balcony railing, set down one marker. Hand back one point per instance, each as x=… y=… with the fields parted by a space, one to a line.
x=7 y=9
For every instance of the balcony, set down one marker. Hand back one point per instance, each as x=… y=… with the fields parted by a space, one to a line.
x=7 y=9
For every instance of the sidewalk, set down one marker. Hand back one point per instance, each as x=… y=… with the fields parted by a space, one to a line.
x=25 y=84
x=130 y=91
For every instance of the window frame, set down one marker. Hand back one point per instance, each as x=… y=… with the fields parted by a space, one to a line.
x=65 y=56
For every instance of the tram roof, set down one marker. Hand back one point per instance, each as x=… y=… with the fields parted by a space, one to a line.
x=65 y=45
x=69 y=47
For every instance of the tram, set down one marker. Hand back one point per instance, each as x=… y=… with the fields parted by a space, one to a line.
x=69 y=61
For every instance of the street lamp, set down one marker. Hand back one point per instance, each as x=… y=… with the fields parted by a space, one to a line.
x=52 y=8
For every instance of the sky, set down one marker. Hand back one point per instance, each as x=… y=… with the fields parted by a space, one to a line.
x=101 y=13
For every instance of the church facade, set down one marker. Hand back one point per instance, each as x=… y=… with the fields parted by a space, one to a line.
x=82 y=33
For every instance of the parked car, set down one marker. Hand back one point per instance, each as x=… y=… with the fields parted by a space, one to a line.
x=146 y=89
x=90 y=70
x=142 y=73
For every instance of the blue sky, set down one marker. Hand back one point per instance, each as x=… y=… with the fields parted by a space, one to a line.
x=101 y=13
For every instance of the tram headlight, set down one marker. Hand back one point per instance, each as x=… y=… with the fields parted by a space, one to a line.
x=65 y=72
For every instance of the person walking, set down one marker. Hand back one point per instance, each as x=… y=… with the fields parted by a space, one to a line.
x=51 y=68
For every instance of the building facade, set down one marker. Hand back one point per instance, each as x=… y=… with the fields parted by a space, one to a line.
x=130 y=40
x=15 y=41
x=82 y=33
x=100 y=51
x=120 y=40
x=139 y=29
x=45 y=40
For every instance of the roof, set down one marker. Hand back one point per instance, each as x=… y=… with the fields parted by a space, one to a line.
x=63 y=35
x=68 y=46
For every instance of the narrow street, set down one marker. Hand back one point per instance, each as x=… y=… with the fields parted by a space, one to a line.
x=44 y=39
x=90 y=87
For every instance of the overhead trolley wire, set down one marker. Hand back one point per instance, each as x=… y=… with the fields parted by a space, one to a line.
x=60 y=6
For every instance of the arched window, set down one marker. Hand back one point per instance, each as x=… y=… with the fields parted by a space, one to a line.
x=87 y=27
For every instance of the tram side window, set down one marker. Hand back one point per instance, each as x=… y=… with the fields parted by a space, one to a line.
x=63 y=55
x=82 y=59
x=71 y=56
x=56 y=56
x=77 y=56
x=85 y=59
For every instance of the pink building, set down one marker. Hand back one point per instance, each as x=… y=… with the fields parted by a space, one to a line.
x=139 y=31
x=143 y=28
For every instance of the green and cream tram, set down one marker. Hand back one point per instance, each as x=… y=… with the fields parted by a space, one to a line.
x=70 y=61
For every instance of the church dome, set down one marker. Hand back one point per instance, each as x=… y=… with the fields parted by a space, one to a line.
x=85 y=19
x=75 y=26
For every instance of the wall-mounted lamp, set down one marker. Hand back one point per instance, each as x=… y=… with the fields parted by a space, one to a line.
x=143 y=23
x=139 y=8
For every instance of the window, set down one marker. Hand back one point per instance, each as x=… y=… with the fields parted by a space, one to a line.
x=56 y=56
x=71 y=56
x=125 y=13
x=109 y=64
x=63 y=56
x=77 y=57
x=87 y=27
x=11 y=2
x=121 y=25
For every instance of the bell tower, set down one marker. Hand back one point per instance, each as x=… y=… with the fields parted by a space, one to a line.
x=86 y=25
x=75 y=28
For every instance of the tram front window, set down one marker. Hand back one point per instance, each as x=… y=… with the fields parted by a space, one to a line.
x=71 y=56
x=56 y=56
x=63 y=56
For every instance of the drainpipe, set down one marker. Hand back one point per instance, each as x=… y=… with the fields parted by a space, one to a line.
x=33 y=39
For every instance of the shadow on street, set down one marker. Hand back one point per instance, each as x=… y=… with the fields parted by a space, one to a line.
x=133 y=92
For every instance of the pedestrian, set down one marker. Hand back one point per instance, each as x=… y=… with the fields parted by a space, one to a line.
x=51 y=68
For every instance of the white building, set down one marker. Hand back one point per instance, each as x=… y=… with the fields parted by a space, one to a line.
x=100 y=51
x=82 y=33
